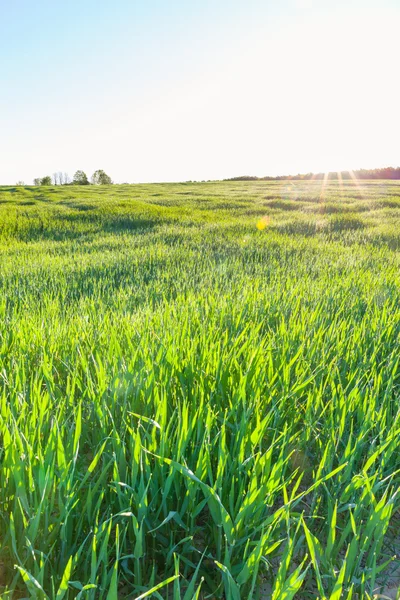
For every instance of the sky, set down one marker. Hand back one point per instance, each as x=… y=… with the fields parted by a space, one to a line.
x=178 y=90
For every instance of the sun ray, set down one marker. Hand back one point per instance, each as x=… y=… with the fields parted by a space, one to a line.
x=323 y=186
x=356 y=182
x=340 y=179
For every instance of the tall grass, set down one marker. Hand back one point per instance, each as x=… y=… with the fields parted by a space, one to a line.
x=192 y=407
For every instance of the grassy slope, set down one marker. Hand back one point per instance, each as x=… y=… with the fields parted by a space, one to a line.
x=154 y=323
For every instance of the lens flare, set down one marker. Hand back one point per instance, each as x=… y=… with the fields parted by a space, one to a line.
x=263 y=223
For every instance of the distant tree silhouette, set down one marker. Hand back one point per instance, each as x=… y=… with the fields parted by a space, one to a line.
x=386 y=173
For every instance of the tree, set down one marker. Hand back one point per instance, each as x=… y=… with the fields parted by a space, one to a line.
x=60 y=178
x=20 y=183
x=80 y=178
x=101 y=178
x=42 y=180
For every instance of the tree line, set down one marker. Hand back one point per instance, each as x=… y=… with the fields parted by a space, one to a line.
x=386 y=173
x=99 y=177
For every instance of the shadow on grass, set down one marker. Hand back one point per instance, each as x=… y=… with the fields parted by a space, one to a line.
x=81 y=206
x=72 y=227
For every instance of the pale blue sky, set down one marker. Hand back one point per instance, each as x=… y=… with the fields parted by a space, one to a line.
x=155 y=90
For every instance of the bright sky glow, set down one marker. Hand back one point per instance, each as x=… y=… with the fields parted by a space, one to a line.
x=172 y=90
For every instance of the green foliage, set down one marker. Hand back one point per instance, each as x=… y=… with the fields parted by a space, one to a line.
x=101 y=178
x=199 y=390
x=42 y=180
x=80 y=178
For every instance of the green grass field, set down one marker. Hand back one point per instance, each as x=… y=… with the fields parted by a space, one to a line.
x=200 y=390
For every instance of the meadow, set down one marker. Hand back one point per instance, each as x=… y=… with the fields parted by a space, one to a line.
x=200 y=391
